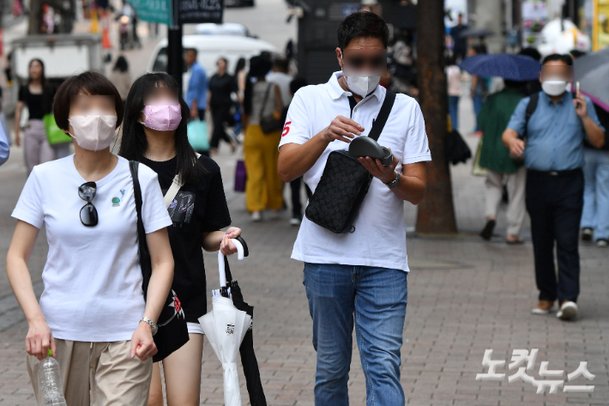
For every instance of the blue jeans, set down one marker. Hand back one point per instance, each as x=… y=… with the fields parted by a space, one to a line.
x=372 y=299
x=596 y=193
x=453 y=111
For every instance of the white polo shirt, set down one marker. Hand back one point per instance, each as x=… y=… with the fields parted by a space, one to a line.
x=379 y=238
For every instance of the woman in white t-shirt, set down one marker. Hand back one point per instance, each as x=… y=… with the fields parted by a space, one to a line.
x=92 y=313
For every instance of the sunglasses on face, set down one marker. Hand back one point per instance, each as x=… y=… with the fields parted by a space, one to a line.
x=88 y=212
x=358 y=61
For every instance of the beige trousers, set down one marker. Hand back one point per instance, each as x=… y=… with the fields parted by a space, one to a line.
x=515 y=183
x=99 y=374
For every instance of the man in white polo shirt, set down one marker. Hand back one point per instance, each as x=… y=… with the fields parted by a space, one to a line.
x=358 y=278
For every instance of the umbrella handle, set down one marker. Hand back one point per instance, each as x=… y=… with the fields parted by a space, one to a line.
x=241 y=254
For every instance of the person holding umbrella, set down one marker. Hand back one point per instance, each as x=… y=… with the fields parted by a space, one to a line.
x=501 y=168
x=549 y=135
x=154 y=133
x=358 y=279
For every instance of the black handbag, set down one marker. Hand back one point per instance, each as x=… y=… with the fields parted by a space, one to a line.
x=344 y=183
x=269 y=124
x=173 y=332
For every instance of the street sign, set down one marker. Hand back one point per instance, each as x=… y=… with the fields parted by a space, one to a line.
x=154 y=11
x=201 y=11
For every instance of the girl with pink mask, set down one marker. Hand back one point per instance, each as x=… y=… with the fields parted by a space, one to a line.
x=154 y=133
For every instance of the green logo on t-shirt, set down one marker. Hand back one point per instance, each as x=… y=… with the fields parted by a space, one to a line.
x=116 y=201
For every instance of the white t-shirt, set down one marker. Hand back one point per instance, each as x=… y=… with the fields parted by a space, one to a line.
x=92 y=277
x=282 y=80
x=379 y=238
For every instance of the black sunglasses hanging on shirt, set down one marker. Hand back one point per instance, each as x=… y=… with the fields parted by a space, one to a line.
x=88 y=212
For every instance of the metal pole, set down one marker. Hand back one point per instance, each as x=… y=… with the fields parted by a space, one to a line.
x=175 y=54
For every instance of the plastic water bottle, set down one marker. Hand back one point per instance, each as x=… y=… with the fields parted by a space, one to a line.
x=50 y=386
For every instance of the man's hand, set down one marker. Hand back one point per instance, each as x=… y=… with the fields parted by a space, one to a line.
x=516 y=148
x=342 y=129
x=142 y=343
x=385 y=173
x=581 y=107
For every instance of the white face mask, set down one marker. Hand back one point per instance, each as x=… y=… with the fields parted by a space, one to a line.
x=362 y=85
x=554 y=86
x=93 y=131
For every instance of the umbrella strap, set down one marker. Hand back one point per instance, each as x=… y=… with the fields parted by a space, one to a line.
x=223 y=267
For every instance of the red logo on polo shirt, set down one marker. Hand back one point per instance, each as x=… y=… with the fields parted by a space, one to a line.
x=286 y=128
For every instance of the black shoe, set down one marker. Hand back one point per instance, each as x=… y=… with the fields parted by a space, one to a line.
x=587 y=234
x=487 y=231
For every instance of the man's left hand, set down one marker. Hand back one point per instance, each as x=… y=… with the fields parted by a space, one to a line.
x=385 y=173
x=581 y=107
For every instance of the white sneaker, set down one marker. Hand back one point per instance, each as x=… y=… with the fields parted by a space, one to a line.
x=294 y=221
x=256 y=216
x=568 y=311
x=602 y=243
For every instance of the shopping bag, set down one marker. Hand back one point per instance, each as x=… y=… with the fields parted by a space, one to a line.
x=240 y=176
x=55 y=135
x=197 y=135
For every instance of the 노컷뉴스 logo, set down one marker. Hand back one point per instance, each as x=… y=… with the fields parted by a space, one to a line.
x=523 y=362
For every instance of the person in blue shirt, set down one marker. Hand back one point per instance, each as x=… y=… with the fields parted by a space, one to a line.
x=551 y=141
x=196 y=93
x=5 y=148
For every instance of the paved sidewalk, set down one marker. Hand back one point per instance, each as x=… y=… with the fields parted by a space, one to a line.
x=465 y=296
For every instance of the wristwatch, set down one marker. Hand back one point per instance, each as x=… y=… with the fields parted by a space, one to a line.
x=153 y=326
x=395 y=181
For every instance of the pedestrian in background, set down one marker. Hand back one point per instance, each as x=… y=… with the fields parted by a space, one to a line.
x=5 y=148
x=36 y=95
x=156 y=118
x=196 y=92
x=502 y=170
x=263 y=189
x=92 y=314
x=453 y=76
x=595 y=216
x=296 y=184
x=222 y=86
x=554 y=157
x=479 y=85
x=121 y=77
x=280 y=76
x=358 y=279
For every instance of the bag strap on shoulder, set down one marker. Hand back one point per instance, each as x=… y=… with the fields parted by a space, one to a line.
x=531 y=107
x=381 y=119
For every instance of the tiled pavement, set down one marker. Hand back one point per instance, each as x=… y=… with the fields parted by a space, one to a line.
x=464 y=296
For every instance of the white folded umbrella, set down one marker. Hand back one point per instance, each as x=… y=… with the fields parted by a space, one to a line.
x=225 y=327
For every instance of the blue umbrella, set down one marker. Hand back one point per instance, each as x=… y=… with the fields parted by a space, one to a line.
x=506 y=66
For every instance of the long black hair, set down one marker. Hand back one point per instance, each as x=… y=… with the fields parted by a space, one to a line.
x=134 y=143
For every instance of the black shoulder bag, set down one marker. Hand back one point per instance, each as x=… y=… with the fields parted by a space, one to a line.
x=344 y=183
x=172 y=332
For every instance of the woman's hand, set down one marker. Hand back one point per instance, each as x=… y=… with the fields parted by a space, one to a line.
x=39 y=339
x=226 y=246
x=142 y=343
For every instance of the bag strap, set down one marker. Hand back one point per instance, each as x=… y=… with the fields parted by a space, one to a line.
x=266 y=97
x=381 y=118
x=173 y=190
x=141 y=232
x=531 y=107
x=176 y=184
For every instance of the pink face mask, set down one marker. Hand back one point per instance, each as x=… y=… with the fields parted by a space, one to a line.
x=162 y=116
